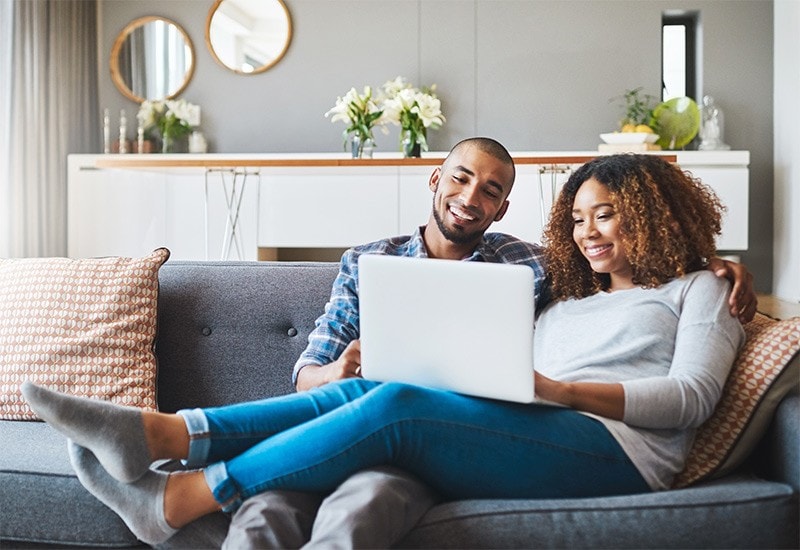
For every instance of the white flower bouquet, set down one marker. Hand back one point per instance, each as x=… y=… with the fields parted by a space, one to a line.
x=174 y=118
x=414 y=110
x=360 y=112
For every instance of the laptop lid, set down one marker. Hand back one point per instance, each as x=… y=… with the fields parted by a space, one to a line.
x=460 y=326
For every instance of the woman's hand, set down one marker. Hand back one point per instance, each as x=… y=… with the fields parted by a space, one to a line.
x=743 y=301
x=348 y=365
x=606 y=400
x=548 y=389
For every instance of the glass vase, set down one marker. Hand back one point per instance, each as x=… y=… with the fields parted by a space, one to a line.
x=171 y=143
x=361 y=148
x=411 y=147
x=167 y=143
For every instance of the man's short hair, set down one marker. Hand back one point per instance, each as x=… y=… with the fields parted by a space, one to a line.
x=491 y=147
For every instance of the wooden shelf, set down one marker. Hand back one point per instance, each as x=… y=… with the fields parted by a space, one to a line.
x=289 y=161
x=777 y=308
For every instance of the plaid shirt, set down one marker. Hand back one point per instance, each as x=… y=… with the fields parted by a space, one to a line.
x=339 y=324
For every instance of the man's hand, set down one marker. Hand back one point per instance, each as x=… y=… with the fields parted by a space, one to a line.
x=348 y=365
x=743 y=301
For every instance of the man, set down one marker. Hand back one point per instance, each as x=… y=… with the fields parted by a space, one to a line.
x=376 y=508
x=470 y=192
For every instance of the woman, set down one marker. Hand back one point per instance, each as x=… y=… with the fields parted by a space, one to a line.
x=636 y=347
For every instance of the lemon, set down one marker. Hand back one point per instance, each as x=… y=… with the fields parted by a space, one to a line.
x=629 y=128
x=644 y=128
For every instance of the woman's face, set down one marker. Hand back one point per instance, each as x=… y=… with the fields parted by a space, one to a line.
x=596 y=231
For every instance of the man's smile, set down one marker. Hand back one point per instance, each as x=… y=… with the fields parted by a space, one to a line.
x=461 y=214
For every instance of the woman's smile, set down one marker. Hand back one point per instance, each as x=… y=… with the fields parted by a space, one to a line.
x=597 y=250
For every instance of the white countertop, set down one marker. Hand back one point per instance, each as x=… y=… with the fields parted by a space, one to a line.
x=188 y=160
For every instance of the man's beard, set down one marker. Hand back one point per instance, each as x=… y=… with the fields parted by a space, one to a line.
x=457 y=237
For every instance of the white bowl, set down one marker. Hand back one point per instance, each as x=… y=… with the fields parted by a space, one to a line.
x=627 y=138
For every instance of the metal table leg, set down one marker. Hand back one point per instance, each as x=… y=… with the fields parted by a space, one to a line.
x=234 y=182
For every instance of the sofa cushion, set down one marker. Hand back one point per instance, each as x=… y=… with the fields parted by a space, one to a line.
x=736 y=512
x=765 y=370
x=43 y=502
x=85 y=327
x=234 y=329
x=41 y=498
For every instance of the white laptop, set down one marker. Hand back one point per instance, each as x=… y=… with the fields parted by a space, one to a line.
x=466 y=327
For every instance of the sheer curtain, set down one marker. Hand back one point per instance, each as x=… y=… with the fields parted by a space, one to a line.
x=48 y=108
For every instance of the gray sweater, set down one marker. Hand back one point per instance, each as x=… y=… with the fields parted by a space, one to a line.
x=671 y=348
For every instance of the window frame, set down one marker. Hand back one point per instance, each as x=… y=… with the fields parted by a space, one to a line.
x=690 y=22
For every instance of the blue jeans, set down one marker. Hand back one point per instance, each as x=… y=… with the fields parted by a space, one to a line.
x=464 y=447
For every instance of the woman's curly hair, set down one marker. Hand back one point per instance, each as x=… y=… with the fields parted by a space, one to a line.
x=668 y=224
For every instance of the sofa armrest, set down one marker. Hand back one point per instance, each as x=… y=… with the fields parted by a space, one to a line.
x=780 y=448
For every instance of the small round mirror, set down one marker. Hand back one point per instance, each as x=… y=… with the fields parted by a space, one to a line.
x=248 y=36
x=152 y=58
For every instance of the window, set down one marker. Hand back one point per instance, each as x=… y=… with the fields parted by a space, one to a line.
x=678 y=55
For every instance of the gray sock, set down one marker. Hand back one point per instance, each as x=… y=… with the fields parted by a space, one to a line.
x=115 y=434
x=140 y=504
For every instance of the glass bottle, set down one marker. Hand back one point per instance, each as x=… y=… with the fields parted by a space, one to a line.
x=712 y=127
x=123 y=131
x=106 y=132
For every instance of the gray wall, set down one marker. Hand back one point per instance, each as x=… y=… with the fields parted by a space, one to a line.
x=535 y=74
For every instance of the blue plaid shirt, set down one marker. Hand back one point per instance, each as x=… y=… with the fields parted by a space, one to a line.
x=339 y=324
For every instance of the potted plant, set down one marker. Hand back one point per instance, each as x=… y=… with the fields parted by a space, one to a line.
x=638 y=109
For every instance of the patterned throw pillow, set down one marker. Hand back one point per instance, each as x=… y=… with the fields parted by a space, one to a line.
x=766 y=369
x=85 y=327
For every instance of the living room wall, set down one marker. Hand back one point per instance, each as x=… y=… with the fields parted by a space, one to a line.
x=787 y=151
x=536 y=74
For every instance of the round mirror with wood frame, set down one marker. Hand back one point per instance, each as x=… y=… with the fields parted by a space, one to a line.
x=248 y=36
x=152 y=59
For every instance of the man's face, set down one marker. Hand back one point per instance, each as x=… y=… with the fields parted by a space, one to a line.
x=470 y=192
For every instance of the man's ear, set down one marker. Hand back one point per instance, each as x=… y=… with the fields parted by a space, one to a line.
x=433 y=182
x=501 y=212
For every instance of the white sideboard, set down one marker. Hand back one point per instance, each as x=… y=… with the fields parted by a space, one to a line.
x=130 y=204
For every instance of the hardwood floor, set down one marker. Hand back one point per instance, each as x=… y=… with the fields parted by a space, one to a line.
x=779 y=309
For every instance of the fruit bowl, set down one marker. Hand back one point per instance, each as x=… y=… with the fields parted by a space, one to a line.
x=628 y=138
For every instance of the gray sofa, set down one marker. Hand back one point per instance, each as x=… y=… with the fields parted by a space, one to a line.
x=232 y=331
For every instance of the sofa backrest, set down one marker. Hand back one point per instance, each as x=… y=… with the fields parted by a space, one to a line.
x=232 y=331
